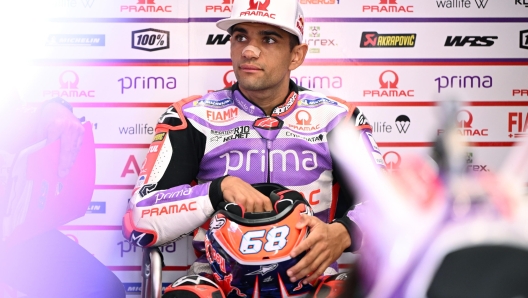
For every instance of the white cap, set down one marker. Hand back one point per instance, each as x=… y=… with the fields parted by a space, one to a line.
x=285 y=14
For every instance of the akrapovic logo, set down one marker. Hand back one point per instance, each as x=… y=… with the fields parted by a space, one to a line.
x=376 y=40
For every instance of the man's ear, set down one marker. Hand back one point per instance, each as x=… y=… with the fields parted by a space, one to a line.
x=297 y=55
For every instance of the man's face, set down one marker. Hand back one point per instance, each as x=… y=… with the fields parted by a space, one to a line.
x=272 y=65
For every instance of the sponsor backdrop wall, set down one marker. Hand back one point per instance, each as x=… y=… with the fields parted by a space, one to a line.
x=120 y=63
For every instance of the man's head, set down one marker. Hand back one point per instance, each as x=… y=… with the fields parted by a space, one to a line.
x=266 y=42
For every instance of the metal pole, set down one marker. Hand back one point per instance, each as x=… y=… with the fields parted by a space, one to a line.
x=151 y=273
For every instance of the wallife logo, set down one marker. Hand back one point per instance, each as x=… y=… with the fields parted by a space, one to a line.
x=522 y=2
x=402 y=122
x=376 y=40
x=481 y=4
x=473 y=41
x=523 y=39
x=218 y=39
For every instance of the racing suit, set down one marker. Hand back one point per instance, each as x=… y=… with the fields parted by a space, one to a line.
x=200 y=140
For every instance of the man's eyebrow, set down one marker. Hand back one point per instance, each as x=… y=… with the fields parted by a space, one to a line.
x=270 y=32
x=261 y=33
x=238 y=29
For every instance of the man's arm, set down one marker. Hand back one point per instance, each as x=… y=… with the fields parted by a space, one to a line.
x=164 y=206
x=327 y=242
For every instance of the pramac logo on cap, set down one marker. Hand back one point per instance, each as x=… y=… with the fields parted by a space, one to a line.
x=259 y=5
x=258 y=9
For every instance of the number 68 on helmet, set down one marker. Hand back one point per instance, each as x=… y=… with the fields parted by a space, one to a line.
x=249 y=253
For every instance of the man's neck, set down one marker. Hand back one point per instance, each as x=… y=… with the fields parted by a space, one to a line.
x=269 y=98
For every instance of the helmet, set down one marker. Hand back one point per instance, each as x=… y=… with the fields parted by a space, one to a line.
x=193 y=286
x=250 y=252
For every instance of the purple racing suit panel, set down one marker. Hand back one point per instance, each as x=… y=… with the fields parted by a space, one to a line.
x=203 y=139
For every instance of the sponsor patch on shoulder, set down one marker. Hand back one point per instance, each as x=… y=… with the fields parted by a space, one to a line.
x=213 y=103
x=378 y=158
x=372 y=142
x=361 y=119
x=159 y=136
x=316 y=102
x=169 y=113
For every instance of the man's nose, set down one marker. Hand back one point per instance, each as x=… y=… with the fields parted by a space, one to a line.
x=250 y=52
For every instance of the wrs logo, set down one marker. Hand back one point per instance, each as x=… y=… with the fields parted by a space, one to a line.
x=258 y=8
x=224 y=7
x=146 y=6
x=388 y=6
x=218 y=39
x=376 y=40
x=473 y=41
x=388 y=81
x=517 y=124
x=68 y=82
x=465 y=125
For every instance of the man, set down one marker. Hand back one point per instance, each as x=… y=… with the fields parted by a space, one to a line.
x=264 y=128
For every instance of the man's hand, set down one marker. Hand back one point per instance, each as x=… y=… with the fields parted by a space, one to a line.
x=55 y=122
x=238 y=191
x=326 y=243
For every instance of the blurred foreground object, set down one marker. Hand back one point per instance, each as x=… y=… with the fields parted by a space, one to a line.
x=40 y=200
x=432 y=229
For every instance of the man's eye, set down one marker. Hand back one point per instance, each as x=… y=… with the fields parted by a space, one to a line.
x=240 y=38
x=269 y=40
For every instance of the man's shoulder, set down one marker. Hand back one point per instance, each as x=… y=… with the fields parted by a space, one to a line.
x=215 y=100
x=312 y=99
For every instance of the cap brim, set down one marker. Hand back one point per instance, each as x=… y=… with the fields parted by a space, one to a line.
x=225 y=24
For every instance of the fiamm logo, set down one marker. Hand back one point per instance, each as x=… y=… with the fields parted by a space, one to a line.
x=517 y=124
x=376 y=40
